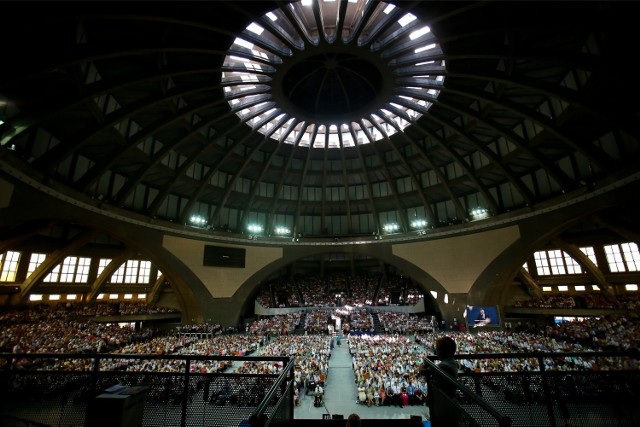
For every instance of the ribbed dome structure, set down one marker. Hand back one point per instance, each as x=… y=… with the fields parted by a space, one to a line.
x=344 y=118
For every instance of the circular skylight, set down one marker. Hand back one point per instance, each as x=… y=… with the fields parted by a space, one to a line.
x=328 y=74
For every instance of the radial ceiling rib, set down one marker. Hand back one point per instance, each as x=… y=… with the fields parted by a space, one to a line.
x=283 y=175
x=368 y=8
x=345 y=183
x=323 y=205
x=392 y=184
x=25 y=120
x=460 y=211
x=128 y=144
x=340 y=18
x=525 y=193
x=280 y=33
x=263 y=170
x=166 y=150
x=305 y=167
x=492 y=205
x=410 y=171
x=248 y=158
x=551 y=91
x=128 y=112
x=369 y=42
x=365 y=176
x=533 y=116
x=551 y=169
x=195 y=196
x=298 y=26
x=319 y=19
x=529 y=115
x=256 y=183
x=193 y=158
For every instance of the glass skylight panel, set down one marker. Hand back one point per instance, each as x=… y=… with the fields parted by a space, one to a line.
x=406 y=19
x=304 y=35
x=419 y=33
x=589 y=252
x=425 y=48
x=255 y=28
x=243 y=43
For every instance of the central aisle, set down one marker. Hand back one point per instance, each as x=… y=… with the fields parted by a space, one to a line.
x=340 y=394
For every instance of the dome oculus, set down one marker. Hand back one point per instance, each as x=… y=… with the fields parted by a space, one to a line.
x=293 y=78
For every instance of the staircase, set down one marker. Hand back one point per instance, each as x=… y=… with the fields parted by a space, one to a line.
x=299 y=330
x=377 y=326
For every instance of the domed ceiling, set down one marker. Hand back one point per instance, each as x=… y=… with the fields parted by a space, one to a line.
x=320 y=117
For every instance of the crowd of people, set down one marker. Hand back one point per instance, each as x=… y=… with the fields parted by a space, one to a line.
x=385 y=363
x=339 y=289
x=590 y=300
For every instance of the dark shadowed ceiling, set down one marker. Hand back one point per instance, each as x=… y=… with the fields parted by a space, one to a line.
x=332 y=120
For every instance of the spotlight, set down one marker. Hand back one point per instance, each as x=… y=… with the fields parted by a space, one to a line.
x=418 y=223
x=254 y=228
x=390 y=228
x=198 y=220
x=282 y=231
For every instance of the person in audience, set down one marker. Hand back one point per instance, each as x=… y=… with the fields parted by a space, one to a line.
x=444 y=413
x=353 y=421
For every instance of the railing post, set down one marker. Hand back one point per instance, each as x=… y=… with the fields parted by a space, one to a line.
x=185 y=393
x=547 y=392
x=292 y=381
x=94 y=376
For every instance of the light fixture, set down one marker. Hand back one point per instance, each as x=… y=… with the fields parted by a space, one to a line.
x=390 y=228
x=254 y=228
x=282 y=231
x=479 y=213
x=418 y=223
x=198 y=220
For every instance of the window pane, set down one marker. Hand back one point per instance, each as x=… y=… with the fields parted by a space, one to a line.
x=9 y=266
x=145 y=272
x=103 y=264
x=589 y=252
x=614 y=258
x=556 y=261
x=132 y=271
x=572 y=265
x=34 y=262
x=542 y=264
x=631 y=256
x=68 y=269
x=118 y=276
x=82 y=271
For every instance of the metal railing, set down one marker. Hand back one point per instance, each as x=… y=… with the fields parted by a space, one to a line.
x=175 y=390
x=525 y=389
x=587 y=389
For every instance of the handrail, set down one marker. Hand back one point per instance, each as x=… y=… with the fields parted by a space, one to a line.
x=12 y=356
x=257 y=418
x=503 y=420
x=546 y=354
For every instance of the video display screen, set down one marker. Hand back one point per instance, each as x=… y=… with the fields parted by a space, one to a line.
x=479 y=316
